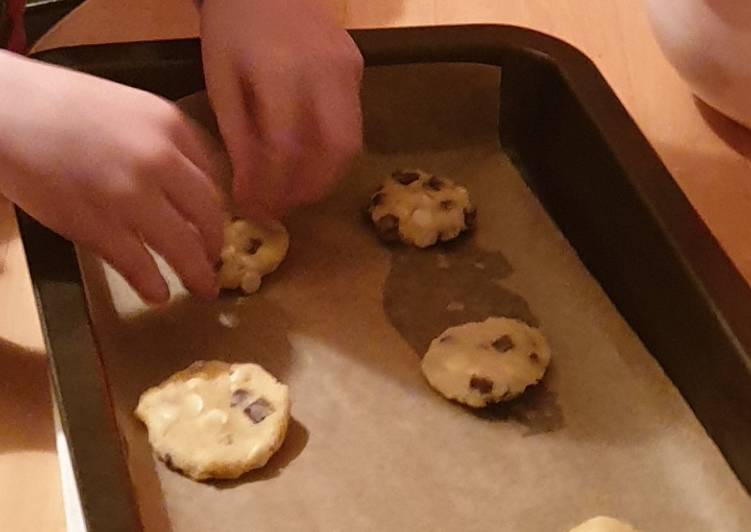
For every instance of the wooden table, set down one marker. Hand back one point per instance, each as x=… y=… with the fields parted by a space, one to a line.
x=706 y=154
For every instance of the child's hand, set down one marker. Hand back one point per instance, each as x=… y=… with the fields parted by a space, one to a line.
x=112 y=168
x=284 y=80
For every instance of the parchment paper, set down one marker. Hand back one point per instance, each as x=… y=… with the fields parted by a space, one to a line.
x=344 y=322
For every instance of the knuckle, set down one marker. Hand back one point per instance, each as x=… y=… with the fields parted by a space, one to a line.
x=125 y=197
x=170 y=122
x=121 y=192
x=155 y=158
x=169 y=115
x=341 y=57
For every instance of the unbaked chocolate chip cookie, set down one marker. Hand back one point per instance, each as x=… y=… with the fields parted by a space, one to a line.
x=216 y=420
x=487 y=362
x=420 y=209
x=251 y=251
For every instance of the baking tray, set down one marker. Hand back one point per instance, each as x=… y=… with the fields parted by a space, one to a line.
x=579 y=151
x=41 y=15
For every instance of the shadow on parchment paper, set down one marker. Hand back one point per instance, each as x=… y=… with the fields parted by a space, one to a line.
x=294 y=443
x=537 y=409
x=465 y=285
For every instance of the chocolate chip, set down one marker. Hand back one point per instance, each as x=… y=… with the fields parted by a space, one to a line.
x=434 y=183
x=238 y=396
x=259 y=410
x=405 y=178
x=377 y=199
x=254 y=244
x=167 y=459
x=447 y=205
x=470 y=216
x=388 y=228
x=503 y=344
x=481 y=384
x=534 y=357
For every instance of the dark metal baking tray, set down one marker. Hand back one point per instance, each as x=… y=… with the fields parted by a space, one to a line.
x=41 y=15
x=579 y=151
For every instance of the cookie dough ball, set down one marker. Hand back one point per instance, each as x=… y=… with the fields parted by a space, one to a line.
x=604 y=524
x=251 y=251
x=216 y=420
x=420 y=209
x=487 y=362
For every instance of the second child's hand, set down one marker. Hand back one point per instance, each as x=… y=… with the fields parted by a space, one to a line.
x=284 y=80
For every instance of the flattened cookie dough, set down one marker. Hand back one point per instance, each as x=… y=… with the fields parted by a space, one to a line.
x=487 y=362
x=216 y=420
x=251 y=251
x=420 y=209
x=604 y=524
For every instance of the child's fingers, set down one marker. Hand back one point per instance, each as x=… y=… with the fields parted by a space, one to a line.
x=195 y=197
x=127 y=254
x=241 y=137
x=174 y=238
